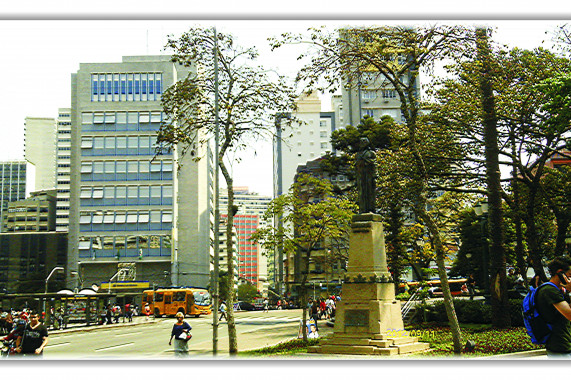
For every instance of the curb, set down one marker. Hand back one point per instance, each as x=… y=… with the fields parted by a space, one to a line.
x=101 y=327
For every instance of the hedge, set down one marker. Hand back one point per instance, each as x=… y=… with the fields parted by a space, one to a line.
x=468 y=312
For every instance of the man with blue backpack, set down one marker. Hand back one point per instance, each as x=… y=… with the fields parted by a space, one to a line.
x=550 y=325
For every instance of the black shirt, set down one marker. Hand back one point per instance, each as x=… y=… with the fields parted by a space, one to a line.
x=33 y=338
x=560 y=339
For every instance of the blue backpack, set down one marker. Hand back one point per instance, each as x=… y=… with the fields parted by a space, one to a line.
x=537 y=327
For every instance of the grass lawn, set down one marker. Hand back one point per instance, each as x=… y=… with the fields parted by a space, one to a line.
x=489 y=341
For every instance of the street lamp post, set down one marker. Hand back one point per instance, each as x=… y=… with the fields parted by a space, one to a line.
x=46 y=288
x=481 y=210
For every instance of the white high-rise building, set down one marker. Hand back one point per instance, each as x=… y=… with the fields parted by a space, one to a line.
x=129 y=205
x=40 y=150
x=297 y=143
x=63 y=165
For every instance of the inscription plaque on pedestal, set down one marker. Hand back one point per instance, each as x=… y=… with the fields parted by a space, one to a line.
x=357 y=318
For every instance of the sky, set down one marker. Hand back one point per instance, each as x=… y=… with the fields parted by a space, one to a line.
x=39 y=57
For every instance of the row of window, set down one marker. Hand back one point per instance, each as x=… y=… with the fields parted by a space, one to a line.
x=121 y=121
x=124 y=246
x=115 y=87
x=152 y=220
x=119 y=146
x=142 y=195
x=126 y=170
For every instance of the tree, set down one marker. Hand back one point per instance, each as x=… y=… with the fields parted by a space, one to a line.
x=247 y=292
x=248 y=97
x=529 y=90
x=344 y=57
x=318 y=219
x=500 y=303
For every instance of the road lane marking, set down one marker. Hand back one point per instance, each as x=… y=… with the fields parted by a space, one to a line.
x=114 y=347
x=130 y=333
x=57 y=344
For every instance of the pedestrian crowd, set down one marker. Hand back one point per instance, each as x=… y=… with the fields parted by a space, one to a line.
x=112 y=313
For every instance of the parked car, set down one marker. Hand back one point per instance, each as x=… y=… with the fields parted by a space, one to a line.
x=244 y=306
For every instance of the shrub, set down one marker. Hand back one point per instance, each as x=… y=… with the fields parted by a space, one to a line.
x=470 y=312
x=466 y=311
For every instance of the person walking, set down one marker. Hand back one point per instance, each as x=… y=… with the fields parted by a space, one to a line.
x=266 y=305
x=147 y=311
x=129 y=311
x=223 y=311
x=181 y=334
x=109 y=314
x=34 y=338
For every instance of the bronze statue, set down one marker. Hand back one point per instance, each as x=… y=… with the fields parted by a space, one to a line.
x=365 y=168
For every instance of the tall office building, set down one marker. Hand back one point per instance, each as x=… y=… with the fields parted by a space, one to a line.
x=40 y=150
x=128 y=201
x=63 y=165
x=297 y=143
x=14 y=177
x=252 y=263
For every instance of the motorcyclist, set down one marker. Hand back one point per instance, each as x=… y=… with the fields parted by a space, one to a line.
x=12 y=340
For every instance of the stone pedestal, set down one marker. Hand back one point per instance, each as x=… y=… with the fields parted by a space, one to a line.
x=368 y=319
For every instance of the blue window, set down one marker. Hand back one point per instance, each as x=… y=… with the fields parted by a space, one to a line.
x=144 y=84
x=123 y=84
x=136 y=86
x=158 y=83
x=109 y=84
x=130 y=84
x=116 y=92
x=101 y=85
x=151 y=83
x=94 y=84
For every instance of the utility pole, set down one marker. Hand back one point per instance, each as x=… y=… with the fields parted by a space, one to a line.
x=215 y=281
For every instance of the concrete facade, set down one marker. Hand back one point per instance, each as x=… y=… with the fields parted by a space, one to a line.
x=130 y=200
x=40 y=150
x=35 y=213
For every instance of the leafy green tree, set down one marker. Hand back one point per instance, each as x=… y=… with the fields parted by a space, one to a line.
x=248 y=98
x=318 y=218
x=529 y=90
x=247 y=292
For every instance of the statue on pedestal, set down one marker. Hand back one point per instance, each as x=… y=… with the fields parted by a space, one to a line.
x=365 y=169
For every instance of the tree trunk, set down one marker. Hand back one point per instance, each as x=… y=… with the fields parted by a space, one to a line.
x=531 y=237
x=420 y=210
x=516 y=208
x=500 y=305
x=562 y=227
x=232 y=336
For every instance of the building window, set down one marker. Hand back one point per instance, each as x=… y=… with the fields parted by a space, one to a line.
x=389 y=94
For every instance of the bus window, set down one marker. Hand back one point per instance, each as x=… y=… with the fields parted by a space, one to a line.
x=158 y=297
x=168 y=299
x=202 y=298
x=178 y=297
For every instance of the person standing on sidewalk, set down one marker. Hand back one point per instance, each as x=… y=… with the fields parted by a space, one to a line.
x=552 y=303
x=266 y=305
x=223 y=311
x=34 y=338
x=181 y=334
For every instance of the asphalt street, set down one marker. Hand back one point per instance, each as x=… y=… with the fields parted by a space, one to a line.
x=149 y=340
